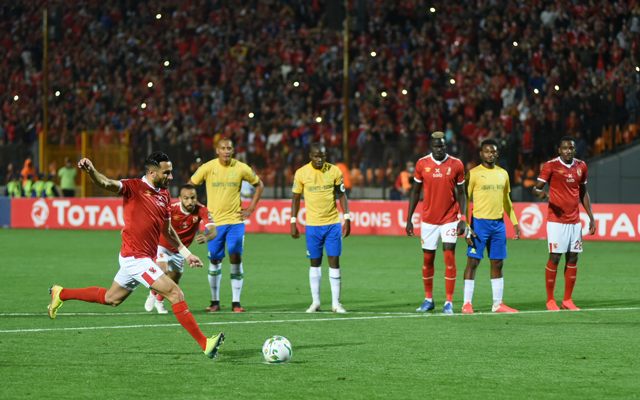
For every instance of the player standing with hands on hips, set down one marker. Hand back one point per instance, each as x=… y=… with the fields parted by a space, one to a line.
x=443 y=215
x=186 y=215
x=567 y=179
x=489 y=186
x=146 y=216
x=223 y=177
x=320 y=181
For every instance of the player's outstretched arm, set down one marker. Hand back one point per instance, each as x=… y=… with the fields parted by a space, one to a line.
x=295 y=207
x=246 y=213
x=586 y=203
x=414 y=198
x=98 y=179
x=537 y=190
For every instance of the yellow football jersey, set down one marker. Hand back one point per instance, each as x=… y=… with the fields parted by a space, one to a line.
x=319 y=194
x=490 y=190
x=223 y=188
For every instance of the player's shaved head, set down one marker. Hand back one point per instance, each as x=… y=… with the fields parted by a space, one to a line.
x=225 y=139
x=316 y=147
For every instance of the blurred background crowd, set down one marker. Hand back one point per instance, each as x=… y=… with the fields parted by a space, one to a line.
x=180 y=74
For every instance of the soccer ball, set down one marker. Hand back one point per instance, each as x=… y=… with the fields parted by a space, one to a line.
x=277 y=349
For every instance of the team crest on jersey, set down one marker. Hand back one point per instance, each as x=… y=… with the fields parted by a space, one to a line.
x=428 y=169
x=448 y=170
x=579 y=172
x=195 y=219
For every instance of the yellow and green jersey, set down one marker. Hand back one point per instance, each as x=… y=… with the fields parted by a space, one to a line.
x=319 y=194
x=223 y=188
x=490 y=190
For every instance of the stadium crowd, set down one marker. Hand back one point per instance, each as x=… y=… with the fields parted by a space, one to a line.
x=268 y=74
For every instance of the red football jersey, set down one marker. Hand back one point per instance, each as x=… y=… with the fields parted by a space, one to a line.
x=185 y=225
x=439 y=180
x=564 y=189
x=145 y=211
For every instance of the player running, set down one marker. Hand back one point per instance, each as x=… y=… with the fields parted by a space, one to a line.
x=567 y=179
x=223 y=177
x=146 y=204
x=186 y=215
x=320 y=181
x=443 y=215
x=489 y=186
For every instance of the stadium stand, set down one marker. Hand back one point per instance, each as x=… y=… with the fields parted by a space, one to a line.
x=177 y=75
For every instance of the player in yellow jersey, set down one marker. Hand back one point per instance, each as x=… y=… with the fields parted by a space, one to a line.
x=488 y=184
x=223 y=177
x=320 y=181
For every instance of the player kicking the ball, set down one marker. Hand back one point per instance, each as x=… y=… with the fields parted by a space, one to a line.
x=443 y=215
x=567 y=179
x=185 y=219
x=146 y=216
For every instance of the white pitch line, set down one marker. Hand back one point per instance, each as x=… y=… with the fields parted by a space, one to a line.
x=413 y=315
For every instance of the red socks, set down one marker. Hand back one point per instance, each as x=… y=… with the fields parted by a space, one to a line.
x=570 y=273
x=450 y=273
x=550 y=277
x=187 y=321
x=427 y=274
x=92 y=294
x=159 y=297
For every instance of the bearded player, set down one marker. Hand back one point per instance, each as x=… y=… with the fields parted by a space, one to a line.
x=567 y=179
x=186 y=215
x=443 y=215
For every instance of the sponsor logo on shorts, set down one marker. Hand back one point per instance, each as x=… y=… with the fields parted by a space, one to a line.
x=473 y=251
x=152 y=270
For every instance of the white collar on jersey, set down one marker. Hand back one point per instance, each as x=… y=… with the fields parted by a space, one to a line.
x=439 y=162
x=144 y=179
x=565 y=164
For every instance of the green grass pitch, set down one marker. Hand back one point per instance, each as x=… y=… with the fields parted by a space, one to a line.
x=381 y=349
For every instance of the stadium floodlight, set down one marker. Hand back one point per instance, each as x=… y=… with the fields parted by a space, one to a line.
x=536 y=91
x=250 y=115
x=166 y=63
x=556 y=87
x=432 y=9
x=57 y=93
x=404 y=91
x=296 y=83
x=452 y=81
x=158 y=16
x=318 y=119
x=638 y=69
x=150 y=84
x=383 y=94
x=373 y=54
x=143 y=105
x=16 y=97
x=515 y=44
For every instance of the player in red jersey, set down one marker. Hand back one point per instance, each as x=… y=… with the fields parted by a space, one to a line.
x=443 y=214
x=567 y=179
x=146 y=217
x=186 y=215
